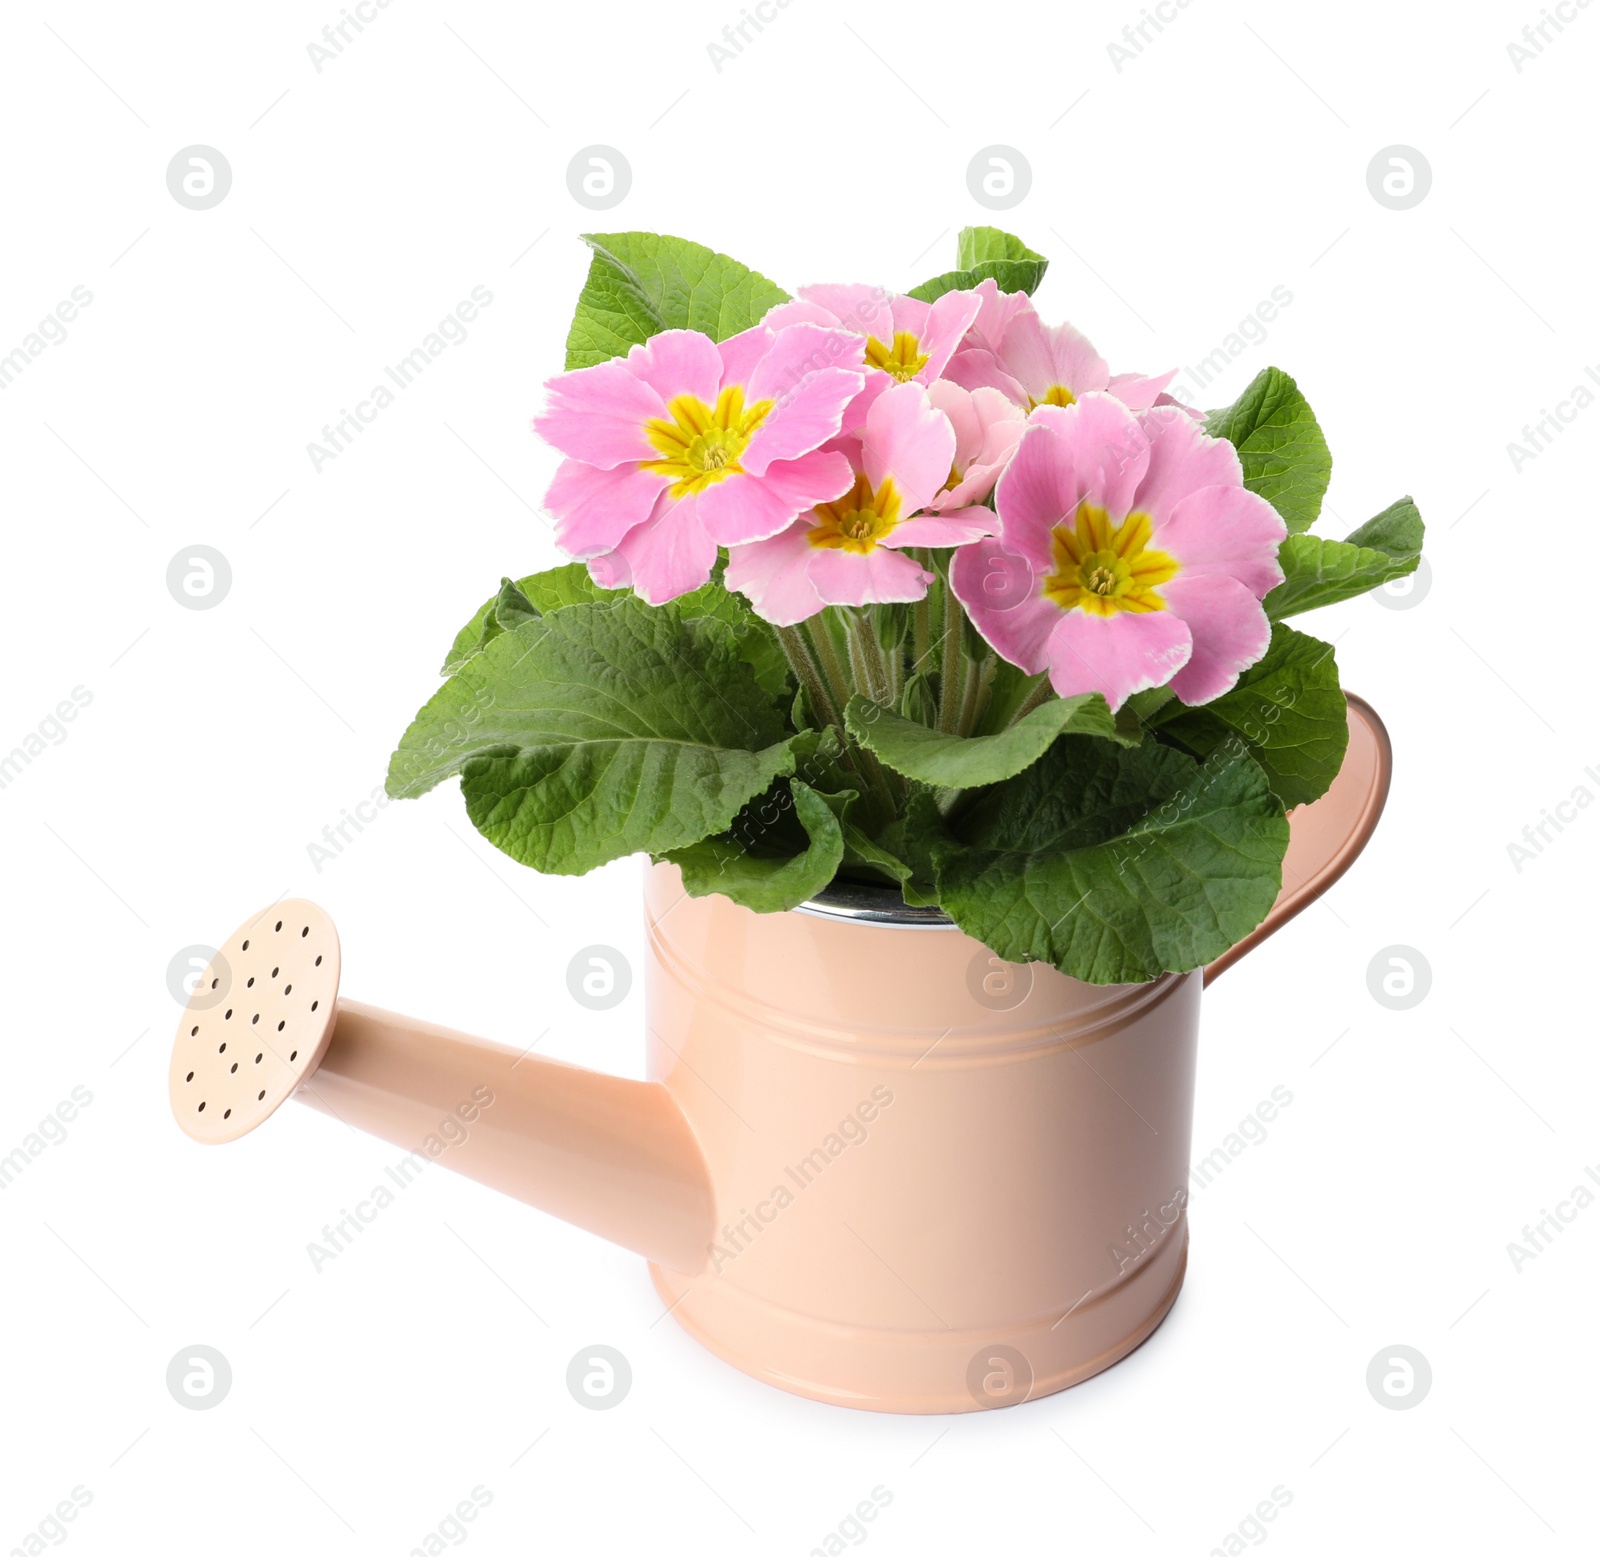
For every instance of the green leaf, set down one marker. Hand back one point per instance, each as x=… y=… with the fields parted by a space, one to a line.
x=1113 y=864
x=1284 y=454
x=758 y=642
x=541 y=593
x=1287 y=710
x=979 y=245
x=641 y=283
x=1318 y=572
x=768 y=883
x=506 y=610
x=570 y=584
x=966 y=762
x=984 y=252
x=597 y=731
x=917 y=700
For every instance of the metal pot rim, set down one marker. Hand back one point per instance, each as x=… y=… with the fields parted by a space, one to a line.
x=864 y=903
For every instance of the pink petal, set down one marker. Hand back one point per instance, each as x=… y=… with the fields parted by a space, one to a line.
x=940 y=333
x=774 y=576
x=1225 y=530
x=988 y=427
x=597 y=415
x=956 y=403
x=1036 y=492
x=1105 y=446
x=798 y=350
x=666 y=556
x=1182 y=458
x=908 y=438
x=811 y=375
x=855 y=414
x=611 y=571
x=1116 y=655
x=746 y=508
x=679 y=362
x=996 y=310
x=1001 y=594
x=1040 y=357
x=866 y=310
x=595 y=508
x=740 y=354
x=798 y=311
x=954 y=527
x=1188 y=410
x=1230 y=630
x=1139 y=393
x=851 y=578
x=977 y=368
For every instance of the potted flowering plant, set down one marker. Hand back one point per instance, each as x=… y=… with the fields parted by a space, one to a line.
x=910 y=591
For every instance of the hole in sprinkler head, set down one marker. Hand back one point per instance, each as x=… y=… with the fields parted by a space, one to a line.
x=245 y=946
x=261 y=1094
x=274 y=973
x=227 y=1016
x=250 y=983
x=281 y=1026
x=278 y=925
x=201 y=1109
x=305 y=932
x=215 y=982
x=315 y=1004
x=293 y=1053
x=317 y=963
x=287 y=988
x=233 y=1067
x=256 y=1018
x=195 y=1029
x=222 y=1048
x=258 y=1059
x=189 y=1077
x=226 y=1112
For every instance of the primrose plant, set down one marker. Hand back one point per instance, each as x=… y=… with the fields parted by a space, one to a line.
x=911 y=590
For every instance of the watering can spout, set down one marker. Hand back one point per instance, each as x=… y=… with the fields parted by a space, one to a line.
x=609 y=1154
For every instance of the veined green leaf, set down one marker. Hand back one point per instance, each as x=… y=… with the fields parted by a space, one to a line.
x=641 y=283
x=1281 y=447
x=1287 y=711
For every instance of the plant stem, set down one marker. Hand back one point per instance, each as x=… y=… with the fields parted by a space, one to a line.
x=1040 y=694
x=979 y=679
x=921 y=633
x=836 y=692
x=804 y=666
x=821 y=640
x=866 y=657
x=952 y=669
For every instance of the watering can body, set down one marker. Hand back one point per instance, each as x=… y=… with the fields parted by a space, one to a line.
x=870 y=1163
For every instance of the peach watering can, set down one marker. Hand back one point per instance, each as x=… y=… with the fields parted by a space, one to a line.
x=872 y=1163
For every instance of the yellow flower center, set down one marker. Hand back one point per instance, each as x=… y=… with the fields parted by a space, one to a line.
x=1056 y=394
x=701 y=444
x=902 y=360
x=1102 y=569
x=859 y=520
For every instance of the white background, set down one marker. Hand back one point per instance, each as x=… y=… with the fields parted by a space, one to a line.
x=1228 y=158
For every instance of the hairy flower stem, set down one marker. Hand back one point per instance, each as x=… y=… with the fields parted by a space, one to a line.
x=1038 y=695
x=821 y=640
x=867 y=659
x=798 y=654
x=952 y=668
x=921 y=634
x=976 y=698
x=862 y=760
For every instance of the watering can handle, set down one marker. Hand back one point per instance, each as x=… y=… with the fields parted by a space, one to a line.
x=1326 y=835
